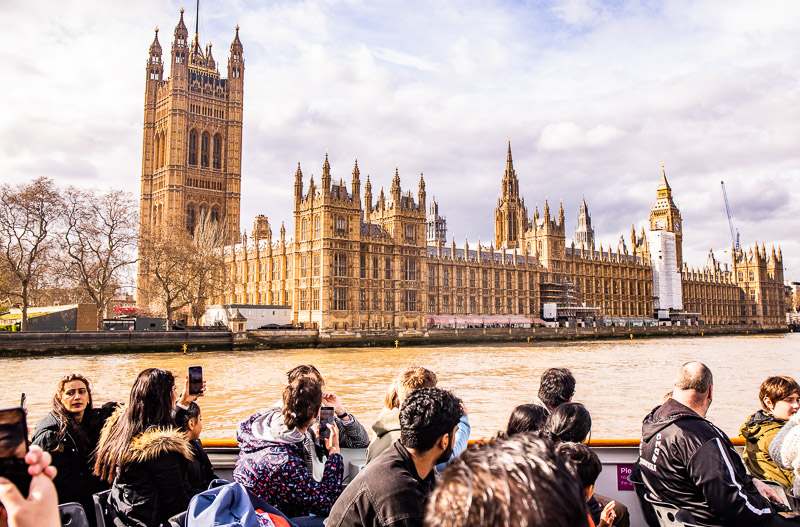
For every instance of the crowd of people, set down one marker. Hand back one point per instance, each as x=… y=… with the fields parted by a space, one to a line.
x=419 y=468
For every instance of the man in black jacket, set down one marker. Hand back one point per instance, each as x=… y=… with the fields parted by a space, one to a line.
x=688 y=462
x=392 y=489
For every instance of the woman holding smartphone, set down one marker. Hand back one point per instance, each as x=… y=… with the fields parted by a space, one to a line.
x=70 y=433
x=271 y=463
x=144 y=455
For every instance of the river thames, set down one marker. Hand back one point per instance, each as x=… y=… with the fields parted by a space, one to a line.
x=619 y=381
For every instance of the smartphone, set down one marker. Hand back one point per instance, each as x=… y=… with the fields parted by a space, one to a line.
x=325 y=418
x=195 y=380
x=13 y=447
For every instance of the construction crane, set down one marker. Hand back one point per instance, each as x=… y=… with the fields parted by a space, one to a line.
x=734 y=231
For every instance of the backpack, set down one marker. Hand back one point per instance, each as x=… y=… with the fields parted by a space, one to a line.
x=232 y=505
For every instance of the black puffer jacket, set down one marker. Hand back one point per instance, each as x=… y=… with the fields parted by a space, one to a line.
x=688 y=462
x=74 y=480
x=151 y=484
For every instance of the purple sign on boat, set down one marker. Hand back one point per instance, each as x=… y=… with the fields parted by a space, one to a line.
x=623 y=471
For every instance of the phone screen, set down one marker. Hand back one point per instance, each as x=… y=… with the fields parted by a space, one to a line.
x=325 y=418
x=195 y=380
x=13 y=447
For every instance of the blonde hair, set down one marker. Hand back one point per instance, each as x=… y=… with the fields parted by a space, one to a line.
x=412 y=379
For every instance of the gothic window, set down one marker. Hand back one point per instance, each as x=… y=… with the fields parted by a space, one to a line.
x=411 y=267
x=497 y=308
x=497 y=279
x=217 y=151
x=445 y=277
x=388 y=269
x=389 y=301
x=472 y=306
x=509 y=282
x=410 y=300
x=339 y=264
x=193 y=147
x=432 y=304
x=362 y=304
x=204 y=149
x=459 y=304
x=214 y=214
x=409 y=233
x=432 y=276
x=304 y=300
x=472 y=279
x=363 y=267
x=190 y=219
x=459 y=279
x=304 y=230
x=484 y=279
x=375 y=267
x=317 y=227
x=375 y=306
x=485 y=306
x=316 y=265
x=340 y=299
x=315 y=299
x=303 y=266
x=341 y=225
x=445 y=304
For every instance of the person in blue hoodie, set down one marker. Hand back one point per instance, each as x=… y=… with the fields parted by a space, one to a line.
x=271 y=462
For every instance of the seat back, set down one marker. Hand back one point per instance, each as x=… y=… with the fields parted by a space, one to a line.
x=179 y=520
x=73 y=515
x=668 y=514
x=101 y=507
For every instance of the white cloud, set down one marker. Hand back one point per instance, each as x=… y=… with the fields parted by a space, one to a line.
x=593 y=95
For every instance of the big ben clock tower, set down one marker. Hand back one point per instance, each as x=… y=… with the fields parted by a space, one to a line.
x=665 y=216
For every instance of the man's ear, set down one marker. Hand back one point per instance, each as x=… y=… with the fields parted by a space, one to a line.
x=443 y=442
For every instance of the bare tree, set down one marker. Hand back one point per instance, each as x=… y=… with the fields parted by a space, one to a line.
x=183 y=269
x=205 y=271
x=28 y=214
x=99 y=242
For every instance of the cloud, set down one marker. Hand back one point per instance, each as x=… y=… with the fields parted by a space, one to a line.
x=593 y=95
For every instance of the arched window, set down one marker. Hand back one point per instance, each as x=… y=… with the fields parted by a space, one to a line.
x=203 y=213
x=217 y=151
x=157 y=151
x=214 y=214
x=190 y=218
x=304 y=230
x=193 y=147
x=317 y=227
x=204 y=149
x=163 y=149
x=341 y=226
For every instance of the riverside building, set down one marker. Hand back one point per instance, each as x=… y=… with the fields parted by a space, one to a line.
x=354 y=261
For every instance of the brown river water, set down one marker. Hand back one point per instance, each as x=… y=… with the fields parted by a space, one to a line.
x=619 y=381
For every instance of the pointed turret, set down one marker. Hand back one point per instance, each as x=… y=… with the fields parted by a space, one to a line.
x=395 y=189
x=546 y=211
x=326 y=177
x=236 y=67
x=664 y=190
x=180 y=50
x=356 y=183
x=367 y=199
x=421 y=194
x=298 y=184
x=510 y=182
x=561 y=215
x=210 y=62
x=155 y=66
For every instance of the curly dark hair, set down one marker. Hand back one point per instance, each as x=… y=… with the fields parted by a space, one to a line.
x=426 y=415
x=527 y=418
x=520 y=481
x=569 y=422
x=586 y=462
x=301 y=401
x=305 y=370
x=556 y=387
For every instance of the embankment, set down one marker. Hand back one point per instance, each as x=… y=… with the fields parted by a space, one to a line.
x=102 y=342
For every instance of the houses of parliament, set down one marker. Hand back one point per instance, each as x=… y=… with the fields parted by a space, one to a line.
x=358 y=259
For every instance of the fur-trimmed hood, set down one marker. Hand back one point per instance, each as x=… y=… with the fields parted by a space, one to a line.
x=151 y=443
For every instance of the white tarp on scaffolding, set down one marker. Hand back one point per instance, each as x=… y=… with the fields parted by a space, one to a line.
x=666 y=276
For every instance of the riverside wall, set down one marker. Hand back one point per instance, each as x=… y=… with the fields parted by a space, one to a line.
x=102 y=342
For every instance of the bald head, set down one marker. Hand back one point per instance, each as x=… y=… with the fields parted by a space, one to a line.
x=694 y=376
x=693 y=387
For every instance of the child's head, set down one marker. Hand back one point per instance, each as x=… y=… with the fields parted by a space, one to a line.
x=587 y=464
x=191 y=422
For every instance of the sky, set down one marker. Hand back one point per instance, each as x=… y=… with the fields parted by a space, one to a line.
x=593 y=95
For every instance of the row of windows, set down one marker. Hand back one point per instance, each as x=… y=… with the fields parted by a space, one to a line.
x=193 y=215
x=204 y=141
x=203 y=183
x=207 y=111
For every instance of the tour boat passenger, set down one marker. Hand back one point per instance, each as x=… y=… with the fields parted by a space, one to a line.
x=351 y=433
x=527 y=418
x=387 y=427
x=570 y=422
x=588 y=467
x=145 y=455
x=780 y=398
x=556 y=387
x=200 y=471
x=520 y=480
x=70 y=433
x=271 y=463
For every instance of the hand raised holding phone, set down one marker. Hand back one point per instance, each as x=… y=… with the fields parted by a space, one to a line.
x=332 y=439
